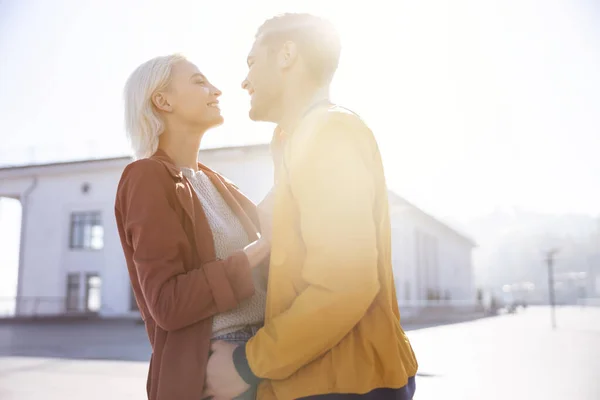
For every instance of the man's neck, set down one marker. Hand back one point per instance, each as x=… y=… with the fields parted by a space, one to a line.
x=296 y=105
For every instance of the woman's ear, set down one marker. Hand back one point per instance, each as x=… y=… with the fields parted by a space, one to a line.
x=161 y=102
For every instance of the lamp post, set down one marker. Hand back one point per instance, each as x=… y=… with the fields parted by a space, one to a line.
x=550 y=263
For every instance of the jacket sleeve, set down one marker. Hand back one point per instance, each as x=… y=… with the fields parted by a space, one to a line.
x=334 y=191
x=151 y=227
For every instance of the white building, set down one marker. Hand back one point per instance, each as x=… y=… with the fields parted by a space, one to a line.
x=432 y=261
x=71 y=260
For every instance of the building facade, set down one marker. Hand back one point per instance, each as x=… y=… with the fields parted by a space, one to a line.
x=432 y=261
x=71 y=260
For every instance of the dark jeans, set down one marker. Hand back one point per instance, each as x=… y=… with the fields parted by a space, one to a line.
x=404 y=393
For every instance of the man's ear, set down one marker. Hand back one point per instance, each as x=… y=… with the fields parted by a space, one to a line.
x=288 y=54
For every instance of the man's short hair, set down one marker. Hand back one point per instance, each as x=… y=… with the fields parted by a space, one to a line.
x=316 y=38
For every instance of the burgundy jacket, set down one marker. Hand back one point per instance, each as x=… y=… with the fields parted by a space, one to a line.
x=178 y=281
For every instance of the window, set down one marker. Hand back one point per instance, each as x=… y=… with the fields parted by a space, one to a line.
x=87 y=232
x=72 y=299
x=418 y=265
x=93 y=285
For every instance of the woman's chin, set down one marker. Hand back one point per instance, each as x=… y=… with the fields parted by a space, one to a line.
x=216 y=121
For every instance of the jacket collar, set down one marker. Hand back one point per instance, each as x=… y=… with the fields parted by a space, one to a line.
x=282 y=134
x=173 y=169
x=163 y=157
x=220 y=185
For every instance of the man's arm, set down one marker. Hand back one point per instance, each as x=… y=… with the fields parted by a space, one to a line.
x=335 y=194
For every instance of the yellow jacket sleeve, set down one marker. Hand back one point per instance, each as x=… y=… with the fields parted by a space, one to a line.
x=333 y=186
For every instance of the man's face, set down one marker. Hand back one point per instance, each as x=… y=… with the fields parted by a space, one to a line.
x=263 y=82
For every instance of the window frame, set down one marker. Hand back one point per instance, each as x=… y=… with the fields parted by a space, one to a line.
x=81 y=231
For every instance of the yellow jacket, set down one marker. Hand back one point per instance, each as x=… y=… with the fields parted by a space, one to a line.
x=332 y=323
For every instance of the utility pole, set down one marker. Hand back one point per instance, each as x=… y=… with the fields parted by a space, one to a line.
x=550 y=262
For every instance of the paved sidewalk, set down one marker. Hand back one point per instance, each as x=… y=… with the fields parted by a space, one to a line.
x=516 y=357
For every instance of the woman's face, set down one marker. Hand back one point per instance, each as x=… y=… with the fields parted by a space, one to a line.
x=190 y=98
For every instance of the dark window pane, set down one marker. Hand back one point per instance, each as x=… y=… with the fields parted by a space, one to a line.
x=72 y=299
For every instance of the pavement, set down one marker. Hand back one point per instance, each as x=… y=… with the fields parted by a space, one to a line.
x=505 y=357
x=512 y=357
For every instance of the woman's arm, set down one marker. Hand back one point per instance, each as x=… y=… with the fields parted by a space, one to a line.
x=149 y=226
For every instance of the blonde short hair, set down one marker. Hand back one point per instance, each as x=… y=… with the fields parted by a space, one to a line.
x=142 y=122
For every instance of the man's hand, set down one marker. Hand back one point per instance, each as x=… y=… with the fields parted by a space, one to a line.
x=222 y=379
x=265 y=214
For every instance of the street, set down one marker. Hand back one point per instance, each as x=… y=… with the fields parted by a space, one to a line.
x=512 y=357
x=506 y=357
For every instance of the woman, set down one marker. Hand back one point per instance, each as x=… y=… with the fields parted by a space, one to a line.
x=190 y=238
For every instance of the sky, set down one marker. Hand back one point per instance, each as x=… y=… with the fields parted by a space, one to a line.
x=475 y=104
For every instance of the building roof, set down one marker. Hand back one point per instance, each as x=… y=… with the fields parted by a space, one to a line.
x=397 y=199
x=61 y=163
x=123 y=158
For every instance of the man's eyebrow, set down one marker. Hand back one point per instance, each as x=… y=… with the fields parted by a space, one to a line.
x=197 y=74
x=249 y=60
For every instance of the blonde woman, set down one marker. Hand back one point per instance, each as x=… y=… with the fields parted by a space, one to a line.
x=191 y=239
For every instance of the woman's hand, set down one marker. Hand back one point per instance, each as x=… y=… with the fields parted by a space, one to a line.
x=259 y=250
x=265 y=215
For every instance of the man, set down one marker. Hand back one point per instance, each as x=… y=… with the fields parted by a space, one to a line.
x=332 y=327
